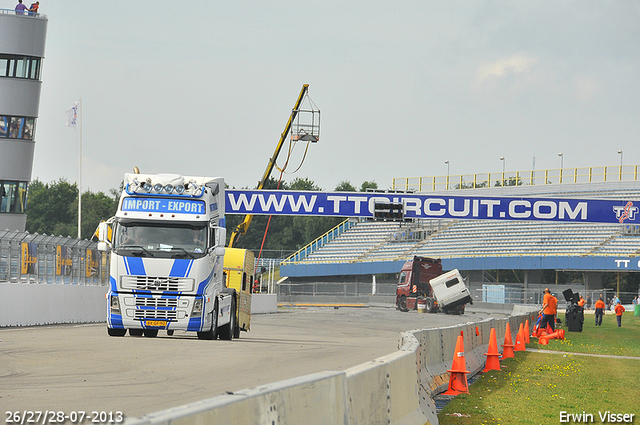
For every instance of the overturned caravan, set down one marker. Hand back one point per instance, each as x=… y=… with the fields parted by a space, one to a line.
x=167 y=249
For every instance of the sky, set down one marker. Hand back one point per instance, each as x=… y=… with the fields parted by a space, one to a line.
x=206 y=87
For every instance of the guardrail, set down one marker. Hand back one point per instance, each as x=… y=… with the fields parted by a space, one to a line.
x=394 y=389
x=517 y=178
x=19 y=13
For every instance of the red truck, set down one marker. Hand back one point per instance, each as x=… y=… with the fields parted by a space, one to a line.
x=421 y=279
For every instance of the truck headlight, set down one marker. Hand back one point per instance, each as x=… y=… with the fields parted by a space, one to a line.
x=114 y=304
x=197 y=308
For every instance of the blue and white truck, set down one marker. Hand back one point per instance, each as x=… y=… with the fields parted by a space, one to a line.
x=167 y=250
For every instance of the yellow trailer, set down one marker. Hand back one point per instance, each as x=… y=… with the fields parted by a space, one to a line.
x=239 y=267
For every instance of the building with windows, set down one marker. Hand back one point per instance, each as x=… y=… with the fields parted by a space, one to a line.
x=22 y=42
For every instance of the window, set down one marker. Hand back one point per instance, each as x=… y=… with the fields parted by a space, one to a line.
x=22 y=65
x=26 y=67
x=452 y=282
x=4 y=66
x=17 y=127
x=4 y=126
x=13 y=197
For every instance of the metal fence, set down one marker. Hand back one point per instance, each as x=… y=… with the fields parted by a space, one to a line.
x=34 y=258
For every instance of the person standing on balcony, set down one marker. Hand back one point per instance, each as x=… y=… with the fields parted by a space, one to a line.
x=34 y=8
x=20 y=8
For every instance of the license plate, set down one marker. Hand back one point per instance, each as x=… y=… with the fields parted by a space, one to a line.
x=157 y=323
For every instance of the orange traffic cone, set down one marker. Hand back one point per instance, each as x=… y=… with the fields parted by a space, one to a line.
x=507 y=347
x=536 y=329
x=520 y=340
x=526 y=333
x=458 y=379
x=543 y=340
x=556 y=335
x=493 y=357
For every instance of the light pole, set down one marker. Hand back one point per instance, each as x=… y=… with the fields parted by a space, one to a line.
x=561 y=164
x=503 y=163
x=620 y=153
x=447 y=162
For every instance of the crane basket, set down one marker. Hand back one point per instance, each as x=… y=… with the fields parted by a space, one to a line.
x=306 y=123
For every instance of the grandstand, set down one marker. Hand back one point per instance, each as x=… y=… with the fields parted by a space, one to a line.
x=473 y=246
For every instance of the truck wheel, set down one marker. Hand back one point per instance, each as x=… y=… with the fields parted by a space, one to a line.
x=116 y=332
x=135 y=332
x=402 y=304
x=429 y=305
x=150 y=333
x=227 y=331
x=213 y=332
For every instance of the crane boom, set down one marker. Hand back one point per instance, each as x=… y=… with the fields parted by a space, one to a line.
x=241 y=228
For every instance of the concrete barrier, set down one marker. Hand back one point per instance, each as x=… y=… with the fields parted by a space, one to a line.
x=396 y=389
x=47 y=304
x=43 y=304
x=264 y=303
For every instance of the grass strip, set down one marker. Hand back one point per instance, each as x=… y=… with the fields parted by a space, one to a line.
x=536 y=388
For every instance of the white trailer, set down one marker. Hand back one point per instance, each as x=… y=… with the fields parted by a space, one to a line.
x=451 y=292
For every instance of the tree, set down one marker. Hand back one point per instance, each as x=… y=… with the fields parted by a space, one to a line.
x=52 y=208
x=510 y=181
x=345 y=186
x=368 y=185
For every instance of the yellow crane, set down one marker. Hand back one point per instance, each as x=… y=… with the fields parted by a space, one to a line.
x=304 y=133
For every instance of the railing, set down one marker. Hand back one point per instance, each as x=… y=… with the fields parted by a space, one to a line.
x=321 y=241
x=20 y=13
x=34 y=258
x=517 y=178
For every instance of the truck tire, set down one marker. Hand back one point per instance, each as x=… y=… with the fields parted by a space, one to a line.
x=227 y=331
x=116 y=332
x=213 y=332
x=429 y=308
x=150 y=333
x=135 y=332
x=402 y=304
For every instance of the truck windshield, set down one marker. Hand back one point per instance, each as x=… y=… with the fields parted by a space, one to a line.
x=161 y=239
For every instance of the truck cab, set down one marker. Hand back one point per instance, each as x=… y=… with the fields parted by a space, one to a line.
x=167 y=251
x=413 y=283
x=421 y=281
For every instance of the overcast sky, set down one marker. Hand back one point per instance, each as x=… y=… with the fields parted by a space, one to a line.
x=206 y=87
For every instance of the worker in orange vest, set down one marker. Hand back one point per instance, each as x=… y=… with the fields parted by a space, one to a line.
x=599 y=311
x=581 y=302
x=549 y=309
x=619 y=310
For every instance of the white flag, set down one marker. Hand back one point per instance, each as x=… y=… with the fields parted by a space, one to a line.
x=72 y=115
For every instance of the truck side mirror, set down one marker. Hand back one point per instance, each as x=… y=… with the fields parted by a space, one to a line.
x=103 y=232
x=103 y=247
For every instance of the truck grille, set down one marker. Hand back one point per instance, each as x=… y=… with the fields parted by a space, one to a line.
x=156 y=302
x=156 y=314
x=157 y=283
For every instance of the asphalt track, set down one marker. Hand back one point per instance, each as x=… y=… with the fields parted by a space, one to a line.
x=79 y=368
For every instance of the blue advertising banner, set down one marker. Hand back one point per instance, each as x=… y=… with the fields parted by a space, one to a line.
x=359 y=204
x=163 y=205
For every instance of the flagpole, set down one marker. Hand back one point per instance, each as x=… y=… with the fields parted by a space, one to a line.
x=79 y=136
